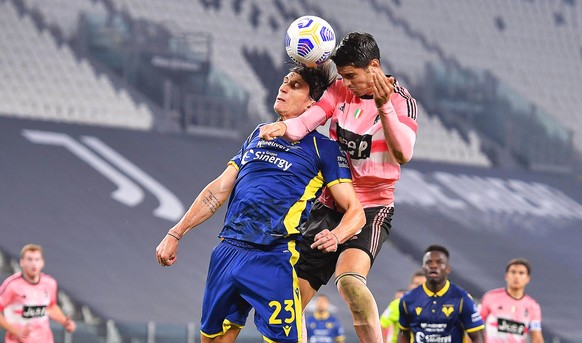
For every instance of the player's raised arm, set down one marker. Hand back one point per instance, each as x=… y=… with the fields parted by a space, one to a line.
x=397 y=114
x=203 y=207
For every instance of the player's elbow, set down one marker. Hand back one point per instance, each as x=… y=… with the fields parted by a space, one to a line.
x=401 y=157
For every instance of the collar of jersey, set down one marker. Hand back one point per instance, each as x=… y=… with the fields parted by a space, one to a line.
x=322 y=316
x=439 y=293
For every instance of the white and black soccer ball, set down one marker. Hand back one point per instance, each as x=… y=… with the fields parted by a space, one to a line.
x=310 y=41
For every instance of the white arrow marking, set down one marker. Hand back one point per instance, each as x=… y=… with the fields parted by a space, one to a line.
x=170 y=207
x=127 y=192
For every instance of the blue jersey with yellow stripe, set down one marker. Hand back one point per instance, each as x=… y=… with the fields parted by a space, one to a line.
x=441 y=317
x=277 y=183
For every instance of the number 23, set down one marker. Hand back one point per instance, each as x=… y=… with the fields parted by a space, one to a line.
x=288 y=307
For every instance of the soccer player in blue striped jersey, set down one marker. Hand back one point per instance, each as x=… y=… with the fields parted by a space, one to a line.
x=438 y=311
x=270 y=187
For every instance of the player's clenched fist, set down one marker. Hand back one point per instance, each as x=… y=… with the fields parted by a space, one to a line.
x=271 y=131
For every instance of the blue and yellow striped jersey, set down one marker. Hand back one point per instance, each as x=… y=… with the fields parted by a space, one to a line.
x=277 y=183
x=442 y=317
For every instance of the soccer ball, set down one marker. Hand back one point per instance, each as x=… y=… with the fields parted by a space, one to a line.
x=309 y=41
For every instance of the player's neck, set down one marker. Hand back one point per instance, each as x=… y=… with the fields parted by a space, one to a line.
x=516 y=293
x=34 y=279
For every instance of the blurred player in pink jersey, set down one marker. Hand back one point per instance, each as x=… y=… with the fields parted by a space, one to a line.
x=509 y=314
x=28 y=299
x=373 y=119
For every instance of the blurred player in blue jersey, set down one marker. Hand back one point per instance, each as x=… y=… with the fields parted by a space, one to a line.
x=270 y=186
x=322 y=326
x=438 y=310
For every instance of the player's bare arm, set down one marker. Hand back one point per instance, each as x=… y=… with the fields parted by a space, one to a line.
x=353 y=220
x=399 y=137
x=477 y=336
x=204 y=206
x=56 y=313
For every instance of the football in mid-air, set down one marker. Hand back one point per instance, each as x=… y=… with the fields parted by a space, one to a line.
x=309 y=41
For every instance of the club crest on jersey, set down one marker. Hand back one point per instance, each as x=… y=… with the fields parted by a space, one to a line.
x=418 y=310
x=447 y=310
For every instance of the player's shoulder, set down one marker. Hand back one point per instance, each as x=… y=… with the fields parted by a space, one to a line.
x=48 y=279
x=494 y=293
x=11 y=280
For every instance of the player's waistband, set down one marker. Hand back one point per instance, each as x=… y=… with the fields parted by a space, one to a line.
x=259 y=247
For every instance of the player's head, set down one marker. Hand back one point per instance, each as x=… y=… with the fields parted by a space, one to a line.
x=517 y=273
x=435 y=264
x=399 y=293
x=301 y=87
x=417 y=279
x=31 y=261
x=321 y=303
x=355 y=54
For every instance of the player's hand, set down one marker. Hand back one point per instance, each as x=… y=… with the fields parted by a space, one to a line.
x=167 y=251
x=271 y=131
x=326 y=241
x=70 y=325
x=382 y=86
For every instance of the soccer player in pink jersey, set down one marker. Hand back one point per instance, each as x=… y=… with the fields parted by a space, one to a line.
x=510 y=314
x=28 y=299
x=373 y=119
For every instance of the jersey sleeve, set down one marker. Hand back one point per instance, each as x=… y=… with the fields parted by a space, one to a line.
x=317 y=115
x=405 y=107
x=334 y=163
x=484 y=308
x=5 y=295
x=536 y=318
x=403 y=317
x=470 y=315
x=237 y=160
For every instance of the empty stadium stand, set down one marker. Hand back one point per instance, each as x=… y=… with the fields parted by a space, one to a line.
x=104 y=145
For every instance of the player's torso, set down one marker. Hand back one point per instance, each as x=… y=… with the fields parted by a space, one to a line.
x=321 y=330
x=435 y=319
x=356 y=126
x=509 y=319
x=28 y=306
x=275 y=187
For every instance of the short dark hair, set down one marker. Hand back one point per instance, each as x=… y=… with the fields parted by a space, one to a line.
x=436 y=247
x=317 y=78
x=519 y=261
x=356 y=49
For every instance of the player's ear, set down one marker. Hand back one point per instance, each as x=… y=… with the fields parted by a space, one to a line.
x=375 y=63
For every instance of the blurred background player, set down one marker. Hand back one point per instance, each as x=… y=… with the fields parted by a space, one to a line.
x=270 y=187
x=322 y=325
x=438 y=310
x=28 y=299
x=373 y=119
x=509 y=314
x=389 y=318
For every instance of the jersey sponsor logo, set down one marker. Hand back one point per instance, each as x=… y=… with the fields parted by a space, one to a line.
x=342 y=162
x=418 y=310
x=265 y=156
x=433 y=327
x=287 y=329
x=272 y=144
x=510 y=326
x=447 y=310
x=33 y=311
x=421 y=337
x=358 y=146
x=342 y=107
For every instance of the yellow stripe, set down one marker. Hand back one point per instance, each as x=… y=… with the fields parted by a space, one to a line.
x=480 y=327
x=294 y=215
x=339 y=181
x=232 y=163
x=296 y=294
x=226 y=325
x=316 y=148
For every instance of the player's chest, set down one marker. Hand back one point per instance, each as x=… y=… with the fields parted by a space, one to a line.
x=436 y=310
x=357 y=118
x=510 y=313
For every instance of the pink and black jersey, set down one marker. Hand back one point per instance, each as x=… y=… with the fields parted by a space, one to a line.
x=24 y=303
x=507 y=319
x=356 y=126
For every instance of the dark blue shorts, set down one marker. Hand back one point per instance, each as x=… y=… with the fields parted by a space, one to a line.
x=242 y=276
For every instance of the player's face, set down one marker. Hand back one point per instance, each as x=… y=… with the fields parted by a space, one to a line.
x=358 y=80
x=293 y=97
x=32 y=264
x=322 y=304
x=436 y=267
x=517 y=277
